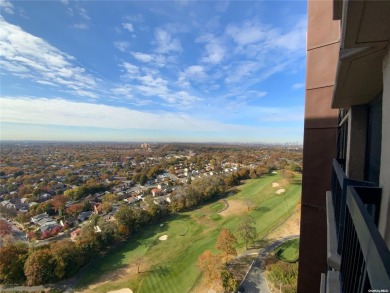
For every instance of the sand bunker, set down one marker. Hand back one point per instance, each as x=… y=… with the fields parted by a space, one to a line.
x=275 y=184
x=124 y=290
x=279 y=191
x=274 y=172
x=164 y=237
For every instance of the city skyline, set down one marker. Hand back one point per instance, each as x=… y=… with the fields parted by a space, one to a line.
x=180 y=71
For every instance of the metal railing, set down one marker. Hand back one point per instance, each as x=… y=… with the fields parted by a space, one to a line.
x=340 y=182
x=365 y=262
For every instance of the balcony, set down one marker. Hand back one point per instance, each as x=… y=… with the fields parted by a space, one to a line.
x=358 y=258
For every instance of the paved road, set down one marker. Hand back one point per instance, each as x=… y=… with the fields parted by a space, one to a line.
x=17 y=231
x=254 y=281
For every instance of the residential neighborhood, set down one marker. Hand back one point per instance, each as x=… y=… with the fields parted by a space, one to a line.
x=51 y=189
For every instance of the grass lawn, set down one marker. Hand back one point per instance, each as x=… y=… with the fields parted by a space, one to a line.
x=288 y=251
x=216 y=207
x=171 y=264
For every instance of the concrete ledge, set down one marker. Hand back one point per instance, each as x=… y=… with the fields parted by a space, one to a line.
x=334 y=259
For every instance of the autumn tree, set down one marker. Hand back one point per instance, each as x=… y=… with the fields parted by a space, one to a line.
x=210 y=265
x=58 y=202
x=229 y=281
x=67 y=258
x=252 y=174
x=105 y=207
x=247 y=230
x=13 y=257
x=5 y=228
x=38 y=267
x=109 y=198
x=75 y=208
x=226 y=243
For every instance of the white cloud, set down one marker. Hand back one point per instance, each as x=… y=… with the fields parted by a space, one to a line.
x=165 y=43
x=215 y=51
x=295 y=39
x=128 y=26
x=122 y=46
x=222 y=6
x=250 y=32
x=195 y=73
x=253 y=38
x=279 y=114
x=83 y=13
x=241 y=70
x=30 y=57
x=65 y=2
x=68 y=113
x=7 y=6
x=147 y=82
x=132 y=71
x=257 y=94
x=296 y=86
x=143 y=57
x=81 y=26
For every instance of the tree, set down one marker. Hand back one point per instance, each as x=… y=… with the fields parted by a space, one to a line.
x=38 y=267
x=210 y=265
x=252 y=174
x=109 y=198
x=249 y=203
x=143 y=179
x=58 y=202
x=105 y=207
x=226 y=243
x=5 y=228
x=67 y=258
x=229 y=281
x=247 y=230
x=12 y=261
x=75 y=209
x=138 y=261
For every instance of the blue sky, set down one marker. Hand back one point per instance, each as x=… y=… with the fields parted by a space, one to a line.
x=204 y=71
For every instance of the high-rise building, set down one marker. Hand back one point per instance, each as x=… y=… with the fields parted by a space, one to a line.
x=345 y=217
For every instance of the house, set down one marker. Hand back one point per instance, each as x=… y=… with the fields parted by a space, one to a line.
x=131 y=199
x=74 y=234
x=70 y=221
x=162 y=186
x=47 y=227
x=83 y=216
x=345 y=212
x=156 y=192
x=7 y=204
x=39 y=217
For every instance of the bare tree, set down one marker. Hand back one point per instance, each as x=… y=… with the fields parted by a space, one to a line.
x=138 y=261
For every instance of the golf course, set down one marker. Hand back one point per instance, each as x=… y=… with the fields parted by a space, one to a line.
x=167 y=252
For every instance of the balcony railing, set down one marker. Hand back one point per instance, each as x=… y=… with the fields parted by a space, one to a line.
x=365 y=258
x=339 y=193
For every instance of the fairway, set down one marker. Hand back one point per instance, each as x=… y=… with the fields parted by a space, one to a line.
x=170 y=265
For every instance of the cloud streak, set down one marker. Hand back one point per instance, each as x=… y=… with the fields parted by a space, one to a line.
x=67 y=113
x=30 y=57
